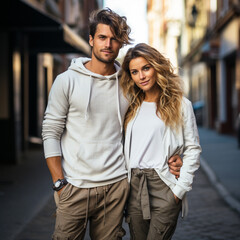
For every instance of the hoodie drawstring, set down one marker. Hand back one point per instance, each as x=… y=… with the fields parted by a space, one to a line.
x=88 y=99
x=118 y=103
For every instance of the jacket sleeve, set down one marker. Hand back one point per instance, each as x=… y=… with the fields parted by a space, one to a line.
x=191 y=151
x=55 y=117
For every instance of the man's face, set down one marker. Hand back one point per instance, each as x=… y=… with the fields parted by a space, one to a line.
x=105 y=46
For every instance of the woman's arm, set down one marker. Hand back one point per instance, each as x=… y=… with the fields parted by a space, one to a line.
x=191 y=151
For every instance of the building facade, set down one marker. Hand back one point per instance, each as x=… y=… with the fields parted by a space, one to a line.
x=164 y=22
x=38 y=38
x=211 y=61
x=207 y=47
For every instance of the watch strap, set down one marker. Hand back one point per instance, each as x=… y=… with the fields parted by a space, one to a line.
x=62 y=183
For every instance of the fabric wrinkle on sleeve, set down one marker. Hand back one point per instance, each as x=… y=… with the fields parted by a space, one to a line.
x=191 y=152
x=55 y=118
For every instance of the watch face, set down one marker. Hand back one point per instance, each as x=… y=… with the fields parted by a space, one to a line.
x=57 y=184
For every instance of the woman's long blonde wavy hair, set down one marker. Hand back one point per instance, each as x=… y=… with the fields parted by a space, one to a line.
x=170 y=86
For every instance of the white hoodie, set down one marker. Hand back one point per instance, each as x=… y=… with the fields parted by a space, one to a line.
x=83 y=123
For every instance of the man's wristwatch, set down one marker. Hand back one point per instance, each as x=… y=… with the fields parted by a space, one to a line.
x=59 y=184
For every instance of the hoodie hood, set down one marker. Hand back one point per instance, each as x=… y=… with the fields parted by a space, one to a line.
x=77 y=64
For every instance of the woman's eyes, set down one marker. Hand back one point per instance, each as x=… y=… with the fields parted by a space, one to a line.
x=134 y=72
x=146 y=68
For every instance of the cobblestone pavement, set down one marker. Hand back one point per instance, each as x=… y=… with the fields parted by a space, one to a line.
x=209 y=218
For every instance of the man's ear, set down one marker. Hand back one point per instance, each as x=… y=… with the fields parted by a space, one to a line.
x=91 y=40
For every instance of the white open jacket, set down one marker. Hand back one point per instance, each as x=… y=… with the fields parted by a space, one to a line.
x=184 y=142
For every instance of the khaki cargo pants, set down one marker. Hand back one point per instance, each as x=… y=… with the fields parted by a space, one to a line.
x=152 y=209
x=102 y=206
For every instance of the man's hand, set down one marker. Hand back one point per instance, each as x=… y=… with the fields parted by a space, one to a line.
x=59 y=192
x=175 y=164
x=55 y=167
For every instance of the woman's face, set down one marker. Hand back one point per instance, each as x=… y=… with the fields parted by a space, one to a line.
x=143 y=74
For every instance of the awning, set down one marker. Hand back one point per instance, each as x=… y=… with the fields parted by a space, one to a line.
x=74 y=40
x=60 y=39
x=45 y=33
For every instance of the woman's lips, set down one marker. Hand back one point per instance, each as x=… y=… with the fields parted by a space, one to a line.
x=144 y=83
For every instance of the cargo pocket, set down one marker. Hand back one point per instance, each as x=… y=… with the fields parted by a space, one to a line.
x=162 y=231
x=64 y=193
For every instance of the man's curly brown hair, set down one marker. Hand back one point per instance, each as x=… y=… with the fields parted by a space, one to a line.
x=118 y=24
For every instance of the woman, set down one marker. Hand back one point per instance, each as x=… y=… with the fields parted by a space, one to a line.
x=159 y=122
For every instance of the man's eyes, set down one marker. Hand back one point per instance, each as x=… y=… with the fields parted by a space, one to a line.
x=102 y=37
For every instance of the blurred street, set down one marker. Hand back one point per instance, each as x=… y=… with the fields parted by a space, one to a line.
x=27 y=209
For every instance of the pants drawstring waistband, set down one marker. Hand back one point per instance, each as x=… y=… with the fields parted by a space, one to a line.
x=105 y=190
x=143 y=194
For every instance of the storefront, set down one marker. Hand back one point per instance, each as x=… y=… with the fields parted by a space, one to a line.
x=30 y=40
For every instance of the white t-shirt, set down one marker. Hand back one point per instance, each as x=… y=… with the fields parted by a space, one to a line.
x=147 y=133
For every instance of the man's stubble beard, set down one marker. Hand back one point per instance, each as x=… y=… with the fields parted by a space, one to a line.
x=110 y=60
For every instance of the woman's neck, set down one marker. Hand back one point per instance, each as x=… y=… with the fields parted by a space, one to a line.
x=152 y=96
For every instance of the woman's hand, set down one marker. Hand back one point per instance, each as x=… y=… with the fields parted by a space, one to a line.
x=176 y=199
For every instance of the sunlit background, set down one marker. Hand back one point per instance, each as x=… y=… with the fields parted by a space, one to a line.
x=136 y=13
x=38 y=39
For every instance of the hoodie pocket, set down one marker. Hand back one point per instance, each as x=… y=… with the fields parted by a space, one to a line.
x=97 y=157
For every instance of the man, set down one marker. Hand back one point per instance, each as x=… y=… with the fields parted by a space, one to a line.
x=82 y=134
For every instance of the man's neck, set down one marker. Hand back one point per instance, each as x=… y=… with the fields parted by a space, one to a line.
x=101 y=68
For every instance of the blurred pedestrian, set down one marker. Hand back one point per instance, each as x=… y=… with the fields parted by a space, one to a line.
x=159 y=123
x=82 y=136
